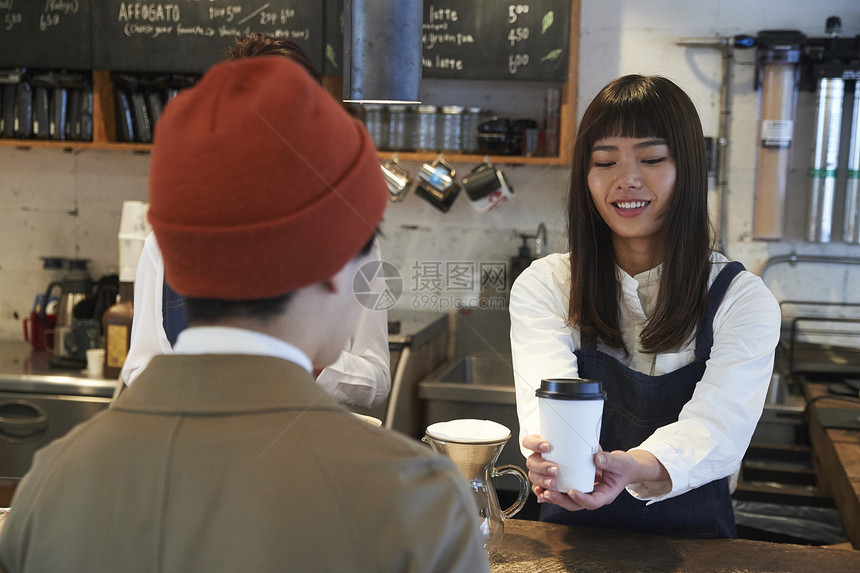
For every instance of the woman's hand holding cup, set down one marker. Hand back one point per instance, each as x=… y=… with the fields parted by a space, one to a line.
x=543 y=474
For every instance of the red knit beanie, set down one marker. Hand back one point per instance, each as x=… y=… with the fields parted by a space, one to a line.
x=260 y=183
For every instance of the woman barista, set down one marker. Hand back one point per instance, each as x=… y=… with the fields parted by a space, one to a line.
x=682 y=339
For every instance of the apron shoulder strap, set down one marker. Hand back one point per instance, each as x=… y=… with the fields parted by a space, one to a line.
x=705 y=336
x=173 y=318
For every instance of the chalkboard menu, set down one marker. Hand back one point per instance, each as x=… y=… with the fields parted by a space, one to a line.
x=333 y=62
x=45 y=33
x=468 y=39
x=192 y=35
x=496 y=39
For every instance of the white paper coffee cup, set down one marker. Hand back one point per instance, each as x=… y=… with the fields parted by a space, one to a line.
x=369 y=419
x=95 y=362
x=571 y=412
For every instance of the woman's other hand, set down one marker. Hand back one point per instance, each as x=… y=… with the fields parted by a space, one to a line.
x=615 y=470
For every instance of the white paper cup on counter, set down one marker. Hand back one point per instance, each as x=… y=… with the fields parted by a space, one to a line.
x=571 y=413
x=95 y=362
x=369 y=419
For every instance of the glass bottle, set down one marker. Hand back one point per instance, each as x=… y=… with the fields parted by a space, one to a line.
x=117 y=327
x=451 y=138
x=400 y=129
x=472 y=118
x=373 y=121
x=427 y=117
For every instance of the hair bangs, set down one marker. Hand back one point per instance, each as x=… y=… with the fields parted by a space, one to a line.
x=630 y=110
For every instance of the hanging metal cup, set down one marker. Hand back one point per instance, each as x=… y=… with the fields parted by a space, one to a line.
x=436 y=184
x=487 y=187
x=396 y=178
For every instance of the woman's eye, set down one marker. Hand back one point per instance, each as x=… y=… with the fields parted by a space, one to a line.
x=654 y=161
x=604 y=163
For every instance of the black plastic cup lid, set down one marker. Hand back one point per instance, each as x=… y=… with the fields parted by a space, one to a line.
x=570 y=389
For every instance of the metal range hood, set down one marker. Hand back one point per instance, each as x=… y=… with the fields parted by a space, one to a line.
x=382 y=51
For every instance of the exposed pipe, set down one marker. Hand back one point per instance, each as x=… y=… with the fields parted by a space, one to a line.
x=540 y=241
x=794 y=258
x=723 y=141
x=726 y=46
x=382 y=51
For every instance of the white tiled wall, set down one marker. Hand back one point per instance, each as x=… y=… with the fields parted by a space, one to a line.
x=68 y=204
x=57 y=203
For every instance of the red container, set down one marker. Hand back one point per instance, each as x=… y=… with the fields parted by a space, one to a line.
x=40 y=332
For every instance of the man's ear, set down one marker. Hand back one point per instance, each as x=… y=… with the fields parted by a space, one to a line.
x=329 y=286
x=341 y=280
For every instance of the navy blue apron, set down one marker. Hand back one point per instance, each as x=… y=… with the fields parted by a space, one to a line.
x=636 y=405
x=173 y=317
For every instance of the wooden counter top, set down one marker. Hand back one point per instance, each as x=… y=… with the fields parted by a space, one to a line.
x=532 y=546
x=836 y=456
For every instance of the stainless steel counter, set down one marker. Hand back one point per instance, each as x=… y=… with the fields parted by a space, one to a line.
x=414 y=327
x=25 y=370
x=39 y=403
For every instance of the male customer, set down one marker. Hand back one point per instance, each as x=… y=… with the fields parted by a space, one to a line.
x=360 y=376
x=227 y=456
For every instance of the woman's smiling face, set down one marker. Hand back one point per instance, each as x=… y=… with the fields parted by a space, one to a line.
x=631 y=181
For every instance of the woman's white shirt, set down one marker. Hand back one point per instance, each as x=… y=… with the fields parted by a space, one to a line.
x=715 y=427
x=360 y=376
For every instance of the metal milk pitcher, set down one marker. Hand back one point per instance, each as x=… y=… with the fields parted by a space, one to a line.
x=474 y=446
x=396 y=179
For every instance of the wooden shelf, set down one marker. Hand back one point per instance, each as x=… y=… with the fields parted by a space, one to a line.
x=104 y=125
x=383 y=155
x=567 y=119
x=75 y=145
x=104 y=120
x=473 y=158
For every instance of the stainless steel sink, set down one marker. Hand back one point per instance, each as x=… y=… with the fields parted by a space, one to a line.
x=472 y=379
x=478 y=370
x=781 y=421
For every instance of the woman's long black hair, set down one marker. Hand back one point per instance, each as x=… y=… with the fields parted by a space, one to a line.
x=641 y=107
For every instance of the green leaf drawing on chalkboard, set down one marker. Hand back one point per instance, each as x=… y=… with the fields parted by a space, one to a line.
x=553 y=55
x=547 y=21
x=329 y=53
